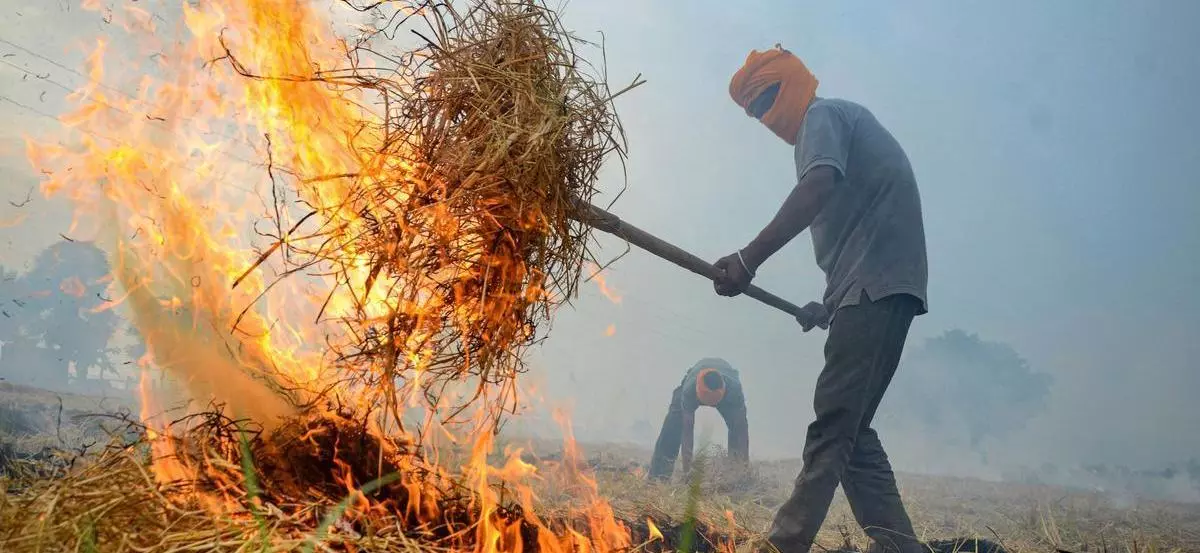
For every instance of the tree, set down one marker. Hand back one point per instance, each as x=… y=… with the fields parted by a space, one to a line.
x=958 y=382
x=54 y=322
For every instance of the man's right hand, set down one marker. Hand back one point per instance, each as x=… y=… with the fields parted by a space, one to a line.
x=813 y=315
x=733 y=276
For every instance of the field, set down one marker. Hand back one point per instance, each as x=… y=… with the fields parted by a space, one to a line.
x=1020 y=517
x=1023 y=518
x=34 y=423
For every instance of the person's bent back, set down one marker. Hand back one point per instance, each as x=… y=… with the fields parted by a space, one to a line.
x=711 y=382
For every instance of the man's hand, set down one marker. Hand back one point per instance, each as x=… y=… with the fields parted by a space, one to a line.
x=813 y=314
x=732 y=278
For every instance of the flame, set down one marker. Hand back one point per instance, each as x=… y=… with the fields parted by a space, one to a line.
x=655 y=533
x=161 y=177
x=602 y=284
x=166 y=467
x=16 y=220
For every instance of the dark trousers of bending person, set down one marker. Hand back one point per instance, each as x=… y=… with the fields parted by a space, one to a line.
x=711 y=382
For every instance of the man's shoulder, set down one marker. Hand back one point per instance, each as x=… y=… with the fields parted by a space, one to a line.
x=837 y=104
x=830 y=118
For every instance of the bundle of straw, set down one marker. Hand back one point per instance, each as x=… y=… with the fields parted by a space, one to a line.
x=492 y=131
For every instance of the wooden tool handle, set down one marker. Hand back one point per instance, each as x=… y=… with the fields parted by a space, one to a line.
x=602 y=220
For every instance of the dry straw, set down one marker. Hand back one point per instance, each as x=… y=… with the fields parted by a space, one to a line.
x=463 y=215
x=272 y=493
x=492 y=129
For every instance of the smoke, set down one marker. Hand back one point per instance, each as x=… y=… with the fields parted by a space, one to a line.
x=189 y=348
x=966 y=390
x=1124 y=487
x=189 y=337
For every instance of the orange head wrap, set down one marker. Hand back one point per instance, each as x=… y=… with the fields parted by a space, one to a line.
x=709 y=396
x=797 y=88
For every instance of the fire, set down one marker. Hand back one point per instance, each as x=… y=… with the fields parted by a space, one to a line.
x=16 y=220
x=227 y=128
x=602 y=284
x=655 y=533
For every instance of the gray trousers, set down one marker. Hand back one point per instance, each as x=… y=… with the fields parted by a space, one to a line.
x=861 y=353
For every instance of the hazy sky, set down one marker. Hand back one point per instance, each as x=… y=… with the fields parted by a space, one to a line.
x=1055 y=146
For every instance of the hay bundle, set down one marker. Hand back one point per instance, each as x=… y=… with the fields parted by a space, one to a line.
x=463 y=239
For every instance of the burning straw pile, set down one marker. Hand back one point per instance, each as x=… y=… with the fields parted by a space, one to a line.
x=461 y=234
x=447 y=232
x=247 y=497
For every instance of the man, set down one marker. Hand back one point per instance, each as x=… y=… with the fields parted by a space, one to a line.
x=711 y=382
x=857 y=193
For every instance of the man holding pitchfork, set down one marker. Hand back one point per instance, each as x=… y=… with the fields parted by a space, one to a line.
x=857 y=194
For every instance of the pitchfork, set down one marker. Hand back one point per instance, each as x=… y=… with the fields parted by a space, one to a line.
x=602 y=220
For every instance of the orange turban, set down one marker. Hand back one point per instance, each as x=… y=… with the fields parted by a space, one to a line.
x=709 y=396
x=797 y=88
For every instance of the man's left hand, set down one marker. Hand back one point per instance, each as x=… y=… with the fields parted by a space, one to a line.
x=813 y=314
x=732 y=278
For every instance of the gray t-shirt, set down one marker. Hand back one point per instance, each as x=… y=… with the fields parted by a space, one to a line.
x=733 y=383
x=869 y=236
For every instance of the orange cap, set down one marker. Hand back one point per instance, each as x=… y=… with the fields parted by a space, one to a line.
x=797 y=88
x=709 y=396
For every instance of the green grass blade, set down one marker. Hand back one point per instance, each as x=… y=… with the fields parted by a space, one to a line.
x=340 y=509
x=87 y=542
x=695 y=481
x=253 y=491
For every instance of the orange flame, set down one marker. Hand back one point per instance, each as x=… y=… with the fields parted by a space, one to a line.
x=161 y=178
x=602 y=284
x=655 y=533
x=16 y=220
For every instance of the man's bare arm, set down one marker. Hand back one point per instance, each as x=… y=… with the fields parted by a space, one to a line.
x=797 y=213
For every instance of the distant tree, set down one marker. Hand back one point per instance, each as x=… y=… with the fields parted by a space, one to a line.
x=958 y=382
x=54 y=322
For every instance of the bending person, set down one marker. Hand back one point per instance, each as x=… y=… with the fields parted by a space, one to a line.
x=713 y=383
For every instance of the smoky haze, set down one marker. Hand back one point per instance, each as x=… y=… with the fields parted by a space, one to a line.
x=1055 y=149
